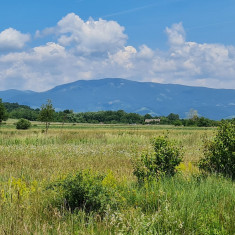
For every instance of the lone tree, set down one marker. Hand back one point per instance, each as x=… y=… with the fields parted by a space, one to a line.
x=3 y=112
x=192 y=115
x=46 y=114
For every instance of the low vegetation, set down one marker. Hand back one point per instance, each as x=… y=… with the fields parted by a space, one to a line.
x=161 y=161
x=219 y=154
x=23 y=124
x=79 y=179
x=86 y=190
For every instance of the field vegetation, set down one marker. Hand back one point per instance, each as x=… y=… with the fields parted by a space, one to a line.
x=78 y=179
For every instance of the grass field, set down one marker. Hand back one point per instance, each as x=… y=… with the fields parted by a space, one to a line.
x=30 y=160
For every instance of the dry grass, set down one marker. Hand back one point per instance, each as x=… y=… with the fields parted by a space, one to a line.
x=34 y=155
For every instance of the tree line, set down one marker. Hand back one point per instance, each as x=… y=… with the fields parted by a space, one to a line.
x=17 y=111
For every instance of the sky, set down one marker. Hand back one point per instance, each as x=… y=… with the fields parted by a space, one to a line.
x=47 y=43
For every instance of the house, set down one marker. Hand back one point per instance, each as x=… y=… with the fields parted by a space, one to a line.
x=157 y=120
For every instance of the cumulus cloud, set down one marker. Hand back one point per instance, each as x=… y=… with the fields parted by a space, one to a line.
x=99 y=49
x=124 y=57
x=11 y=39
x=90 y=36
x=176 y=34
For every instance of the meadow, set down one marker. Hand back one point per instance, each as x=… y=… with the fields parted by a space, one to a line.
x=31 y=161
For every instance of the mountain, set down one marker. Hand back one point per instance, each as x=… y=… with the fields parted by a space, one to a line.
x=131 y=96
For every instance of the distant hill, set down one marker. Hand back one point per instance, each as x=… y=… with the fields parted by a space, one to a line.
x=131 y=96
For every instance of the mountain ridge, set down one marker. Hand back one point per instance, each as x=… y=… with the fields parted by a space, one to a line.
x=131 y=96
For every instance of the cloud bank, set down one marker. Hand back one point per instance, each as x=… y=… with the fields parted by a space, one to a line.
x=98 y=49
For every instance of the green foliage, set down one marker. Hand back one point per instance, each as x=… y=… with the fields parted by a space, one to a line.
x=18 y=111
x=177 y=123
x=110 y=117
x=183 y=204
x=173 y=117
x=23 y=124
x=148 y=116
x=3 y=112
x=86 y=190
x=179 y=205
x=46 y=114
x=204 y=122
x=219 y=154
x=200 y=122
x=162 y=161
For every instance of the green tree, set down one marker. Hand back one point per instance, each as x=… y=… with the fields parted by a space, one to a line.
x=173 y=117
x=46 y=114
x=204 y=122
x=3 y=112
x=148 y=116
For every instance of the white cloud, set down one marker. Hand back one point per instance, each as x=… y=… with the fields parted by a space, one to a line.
x=90 y=36
x=11 y=39
x=98 y=49
x=124 y=57
x=176 y=34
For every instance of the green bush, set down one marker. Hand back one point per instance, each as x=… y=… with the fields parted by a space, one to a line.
x=23 y=124
x=161 y=161
x=219 y=154
x=91 y=192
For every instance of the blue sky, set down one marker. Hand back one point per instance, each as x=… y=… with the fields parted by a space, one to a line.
x=189 y=42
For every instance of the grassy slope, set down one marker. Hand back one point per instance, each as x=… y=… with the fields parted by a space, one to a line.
x=30 y=159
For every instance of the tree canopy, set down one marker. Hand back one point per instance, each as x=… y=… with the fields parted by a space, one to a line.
x=3 y=112
x=17 y=111
x=46 y=114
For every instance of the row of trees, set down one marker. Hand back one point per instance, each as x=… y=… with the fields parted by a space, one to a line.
x=47 y=114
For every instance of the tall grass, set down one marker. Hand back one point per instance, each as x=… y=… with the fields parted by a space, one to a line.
x=31 y=160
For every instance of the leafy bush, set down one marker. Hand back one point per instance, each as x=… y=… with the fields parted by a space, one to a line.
x=23 y=124
x=88 y=191
x=161 y=161
x=219 y=154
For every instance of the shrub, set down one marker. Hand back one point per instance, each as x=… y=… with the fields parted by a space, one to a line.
x=161 y=161
x=219 y=154
x=23 y=124
x=88 y=191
